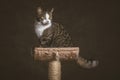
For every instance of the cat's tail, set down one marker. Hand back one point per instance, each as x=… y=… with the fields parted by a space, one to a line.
x=87 y=63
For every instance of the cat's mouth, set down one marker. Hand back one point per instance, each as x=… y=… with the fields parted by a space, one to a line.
x=45 y=23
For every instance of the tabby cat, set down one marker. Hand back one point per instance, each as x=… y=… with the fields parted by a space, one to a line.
x=51 y=34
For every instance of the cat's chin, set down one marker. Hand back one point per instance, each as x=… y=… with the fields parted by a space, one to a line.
x=44 y=24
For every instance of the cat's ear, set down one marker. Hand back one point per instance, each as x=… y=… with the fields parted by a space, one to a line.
x=39 y=10
x=52 y=10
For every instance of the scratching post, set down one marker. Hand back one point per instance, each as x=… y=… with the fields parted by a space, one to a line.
x=54 y=70
x=54 y=56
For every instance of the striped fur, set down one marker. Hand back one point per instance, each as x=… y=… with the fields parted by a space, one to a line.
x=56 y=36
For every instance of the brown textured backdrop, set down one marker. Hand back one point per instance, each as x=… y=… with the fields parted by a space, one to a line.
x=92 y=24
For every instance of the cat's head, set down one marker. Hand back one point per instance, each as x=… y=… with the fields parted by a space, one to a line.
x=44 y=17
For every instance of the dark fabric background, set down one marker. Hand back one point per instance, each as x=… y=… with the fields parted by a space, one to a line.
x=93 y=25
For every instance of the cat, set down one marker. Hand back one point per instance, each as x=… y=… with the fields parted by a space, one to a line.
x=51 y=34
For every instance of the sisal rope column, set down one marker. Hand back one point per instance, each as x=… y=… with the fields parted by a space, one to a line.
x=54 y=70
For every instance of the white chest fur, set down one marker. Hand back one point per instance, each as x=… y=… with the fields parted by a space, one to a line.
x=39 y=29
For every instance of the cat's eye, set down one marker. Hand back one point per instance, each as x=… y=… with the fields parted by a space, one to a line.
x=42 y=17
x=37 y=19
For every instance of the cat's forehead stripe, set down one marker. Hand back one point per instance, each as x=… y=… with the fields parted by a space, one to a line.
x=47 y=15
